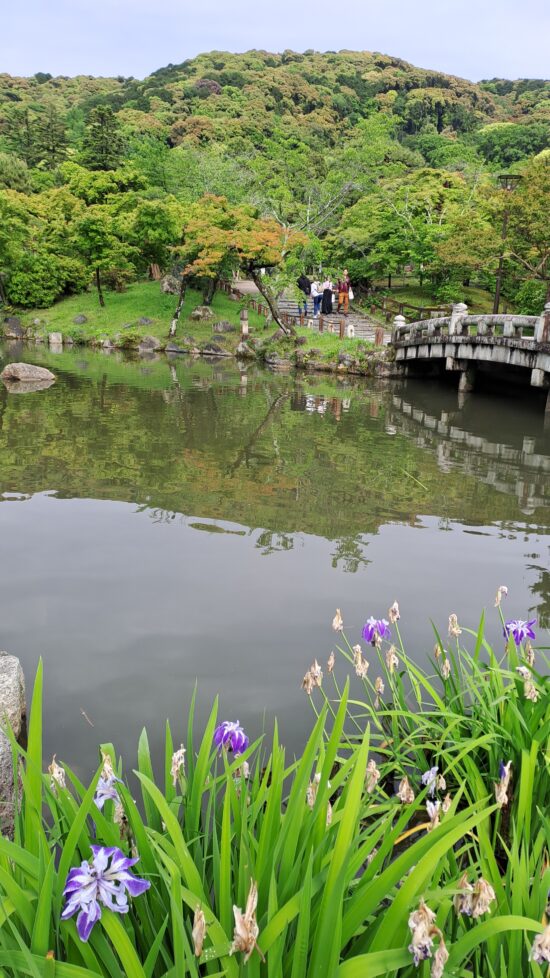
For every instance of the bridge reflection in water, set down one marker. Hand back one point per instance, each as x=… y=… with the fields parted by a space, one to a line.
x=487 y=445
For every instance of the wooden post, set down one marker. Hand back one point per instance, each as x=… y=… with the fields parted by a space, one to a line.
x=342 y=328
x=321 y=324
x=379 y=336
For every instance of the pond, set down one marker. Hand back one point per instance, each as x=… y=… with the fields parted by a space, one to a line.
x=170 y=522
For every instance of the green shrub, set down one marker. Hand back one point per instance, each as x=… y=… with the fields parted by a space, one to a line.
x=40 y=278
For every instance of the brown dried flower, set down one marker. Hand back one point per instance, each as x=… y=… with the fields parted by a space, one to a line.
x=312 y=678
x=338 y=621
x=405 y=792
x=502 y=591
x=199 y=930
x=331 y=662
x=391 y=659
x=178 y=764
x=393 y=613
x=421 y=924
x=372 y=776
x=379 y=690
x=441 y=957
x=446 y=668
x=454 y=628
x=540 y=951
x=361 y=664
x=246 y=930
x=57 y=775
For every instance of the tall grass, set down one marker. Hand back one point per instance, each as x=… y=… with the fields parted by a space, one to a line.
x=339 y=863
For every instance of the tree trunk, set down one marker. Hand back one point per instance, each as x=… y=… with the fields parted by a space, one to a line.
x=264 y=290
x=177 y=313
x=3 y=296
x=389 y=281
x=98 y=284
x=209 y=291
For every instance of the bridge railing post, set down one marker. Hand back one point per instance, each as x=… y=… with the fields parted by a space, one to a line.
x=542 y=329
x=460 y=309
x=398 y=322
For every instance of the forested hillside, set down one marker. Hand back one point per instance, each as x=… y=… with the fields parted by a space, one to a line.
x=361 y=158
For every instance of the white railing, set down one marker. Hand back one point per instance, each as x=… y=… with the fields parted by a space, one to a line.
x=487 y=326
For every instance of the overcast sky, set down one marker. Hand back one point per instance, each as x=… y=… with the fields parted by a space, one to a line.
x=472 y=38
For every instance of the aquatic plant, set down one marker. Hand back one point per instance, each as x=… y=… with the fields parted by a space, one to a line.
x=347 y=861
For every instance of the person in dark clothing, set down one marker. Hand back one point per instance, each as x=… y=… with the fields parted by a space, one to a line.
x=304 y=285
x=326 y=305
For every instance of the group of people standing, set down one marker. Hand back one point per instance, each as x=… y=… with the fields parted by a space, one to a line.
x=324 y=293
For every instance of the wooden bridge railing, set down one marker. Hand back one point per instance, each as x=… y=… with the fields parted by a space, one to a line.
x=459 y=323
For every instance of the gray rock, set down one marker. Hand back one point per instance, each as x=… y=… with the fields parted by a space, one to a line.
x=274 y=360
x=26 y=373
x=189 y=340
x=345 y=359
x=244 y=350
x=13 y=329
x=128 y=325
x=107 y=345
x=145 y=321
x=202 y=314
x=149 y=344
x=214 y=350
x=13 y=710
x=224 y=327
x=300 y=341
x=80 y=319
x=36 y=322
x=55 y=339
x=174 y=348
x=169 y=285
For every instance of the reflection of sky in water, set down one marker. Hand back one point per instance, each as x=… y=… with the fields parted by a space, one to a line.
x=128 y=611
x=215 y=518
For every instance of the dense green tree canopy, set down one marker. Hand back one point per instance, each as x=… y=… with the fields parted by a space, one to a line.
x=379 y=163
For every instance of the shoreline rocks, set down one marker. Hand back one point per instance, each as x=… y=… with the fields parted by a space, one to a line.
x=13 y=710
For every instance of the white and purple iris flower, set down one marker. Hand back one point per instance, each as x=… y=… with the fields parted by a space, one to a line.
x=231 y=735
x=429 y=778
x=103 y=880
x=375 y=629
x=519 y=630
x=106 y=790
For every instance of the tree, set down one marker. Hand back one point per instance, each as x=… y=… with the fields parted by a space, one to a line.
x=51 y=137
x=95 y=239
x=528 y=240
x=14 y=173
x=219 y=239
x=103 y=144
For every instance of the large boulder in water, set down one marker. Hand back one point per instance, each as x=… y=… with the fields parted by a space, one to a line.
x=26 y=373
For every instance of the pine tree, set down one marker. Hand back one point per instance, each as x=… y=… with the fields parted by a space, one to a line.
x=51 y=137
x=103 y=144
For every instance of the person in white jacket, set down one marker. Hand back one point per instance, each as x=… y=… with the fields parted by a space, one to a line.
x=317 y=296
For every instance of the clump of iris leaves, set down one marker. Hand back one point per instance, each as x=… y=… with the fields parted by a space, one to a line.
x=340 y=861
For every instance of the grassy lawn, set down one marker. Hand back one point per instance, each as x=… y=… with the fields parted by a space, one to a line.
x=119 y=319
x=142 y=299
x=478 y=300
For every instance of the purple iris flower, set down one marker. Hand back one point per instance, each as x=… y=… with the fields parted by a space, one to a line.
x=375 y=627
x=103 y=880
x=106 y=791
x=519 y=630
x=231 y=735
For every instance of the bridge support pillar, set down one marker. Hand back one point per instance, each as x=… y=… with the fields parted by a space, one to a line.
x=467 y=380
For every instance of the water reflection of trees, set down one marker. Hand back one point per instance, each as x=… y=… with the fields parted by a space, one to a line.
x=334 y=457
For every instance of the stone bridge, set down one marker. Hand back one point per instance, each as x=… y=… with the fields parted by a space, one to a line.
x=504 y=344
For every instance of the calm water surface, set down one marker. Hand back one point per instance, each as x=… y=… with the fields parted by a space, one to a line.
x=166 y=522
